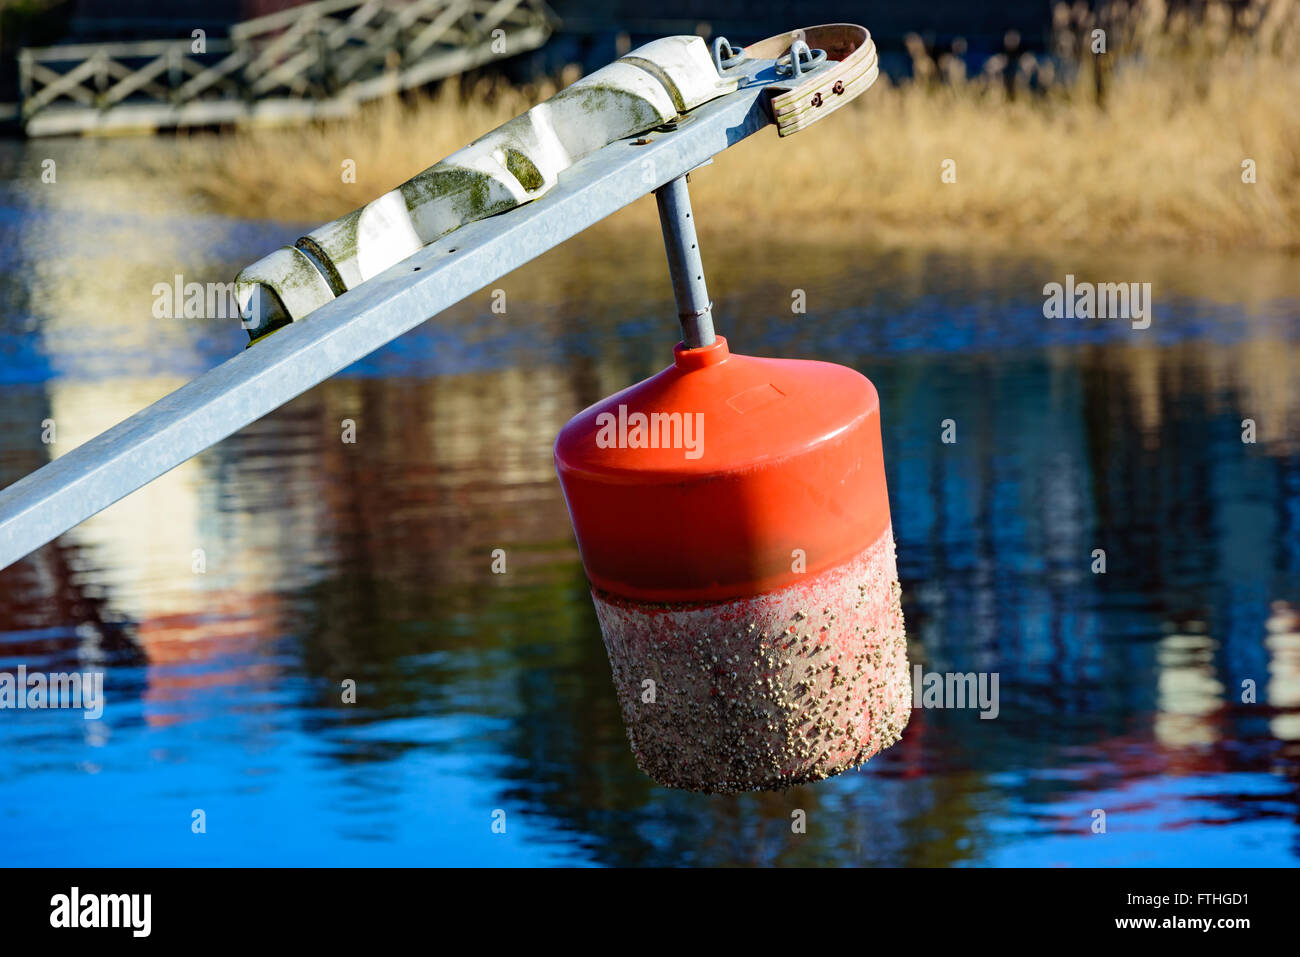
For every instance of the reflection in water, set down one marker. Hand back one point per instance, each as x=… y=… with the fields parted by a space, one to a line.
x=1283 y=643
x=229 y=601
x=1188 y=693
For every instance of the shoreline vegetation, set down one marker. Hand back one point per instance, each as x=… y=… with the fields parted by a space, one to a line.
x=1154 y=142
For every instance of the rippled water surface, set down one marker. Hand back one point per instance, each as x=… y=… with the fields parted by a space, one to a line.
x=328 y=561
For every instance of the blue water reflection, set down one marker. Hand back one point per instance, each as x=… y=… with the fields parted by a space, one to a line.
x=326 y=562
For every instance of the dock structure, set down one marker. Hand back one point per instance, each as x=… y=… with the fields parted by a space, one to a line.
x=313 y=61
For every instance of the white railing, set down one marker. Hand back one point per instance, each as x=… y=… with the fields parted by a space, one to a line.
x=313 y=59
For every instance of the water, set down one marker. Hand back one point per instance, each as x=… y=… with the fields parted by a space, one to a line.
x=371 y=562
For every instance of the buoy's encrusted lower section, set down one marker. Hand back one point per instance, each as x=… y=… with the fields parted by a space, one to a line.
x=765 y=692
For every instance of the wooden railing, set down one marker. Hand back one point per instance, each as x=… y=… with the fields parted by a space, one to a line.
x=317 y=59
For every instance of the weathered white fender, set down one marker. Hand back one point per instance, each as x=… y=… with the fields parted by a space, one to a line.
x=514 y=164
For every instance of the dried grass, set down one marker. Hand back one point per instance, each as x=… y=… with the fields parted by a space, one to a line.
x=1141 y=146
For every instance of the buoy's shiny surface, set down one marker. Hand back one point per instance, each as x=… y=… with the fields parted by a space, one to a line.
x=724 y=475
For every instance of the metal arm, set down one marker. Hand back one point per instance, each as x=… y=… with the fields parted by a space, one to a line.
x=328 y=338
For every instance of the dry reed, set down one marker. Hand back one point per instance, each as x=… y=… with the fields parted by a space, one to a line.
x=1145 y=144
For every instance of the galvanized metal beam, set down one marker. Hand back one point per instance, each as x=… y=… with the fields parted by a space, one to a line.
x=91 y=477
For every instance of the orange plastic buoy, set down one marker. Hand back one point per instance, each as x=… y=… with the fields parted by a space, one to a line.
x=733 y=521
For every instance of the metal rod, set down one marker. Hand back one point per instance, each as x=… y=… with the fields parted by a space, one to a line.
x=693 y=306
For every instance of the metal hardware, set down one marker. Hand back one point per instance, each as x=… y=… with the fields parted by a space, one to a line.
x=694 y=309
x=725 y=56
x=799 y=60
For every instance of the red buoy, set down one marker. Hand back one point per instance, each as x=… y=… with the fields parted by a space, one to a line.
x=733 y=522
